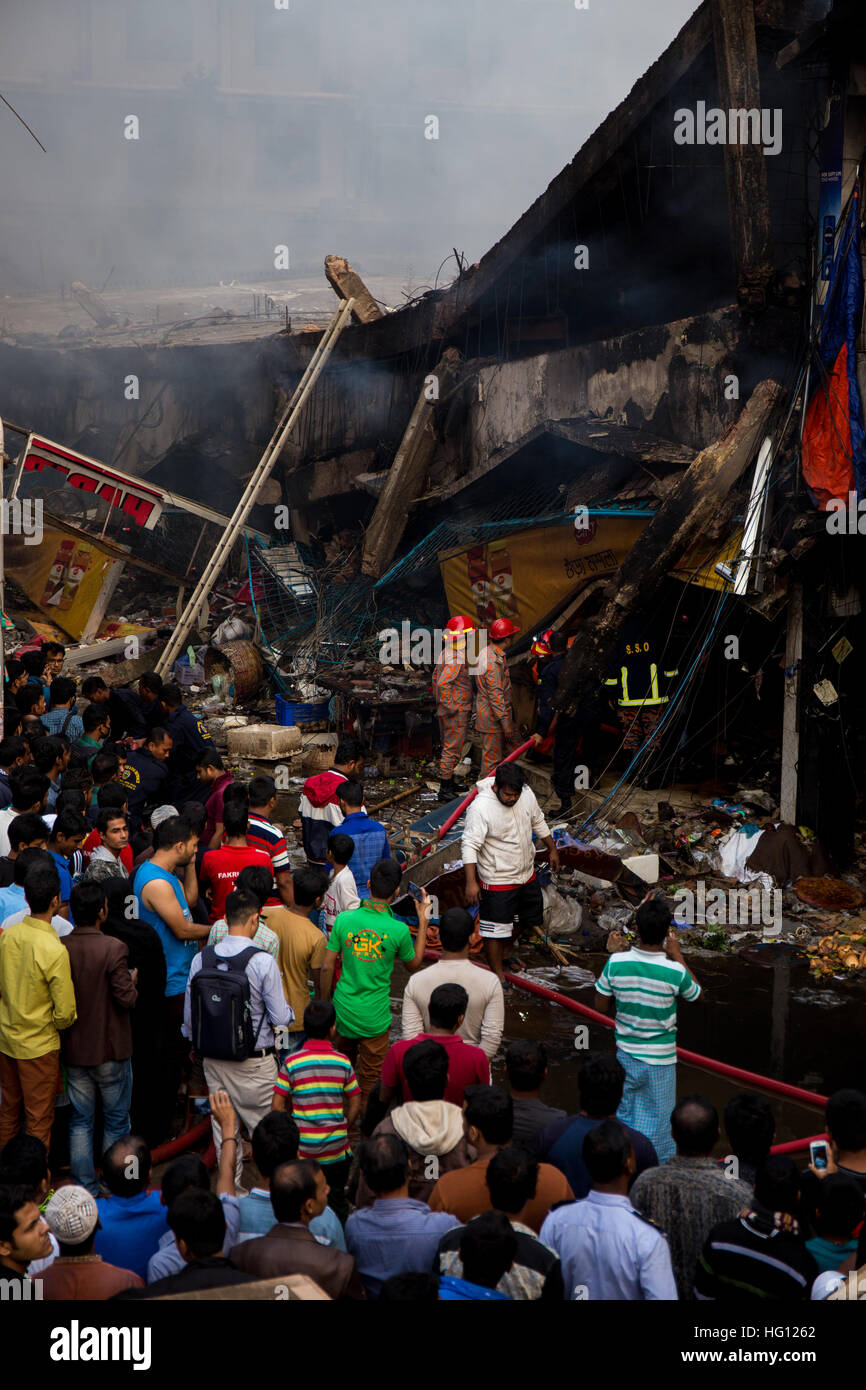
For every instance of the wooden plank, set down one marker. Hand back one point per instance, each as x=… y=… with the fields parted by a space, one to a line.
x=406 y=475
x=347 y=284
x=745 y=169
x=791 y=706
x=681 y=519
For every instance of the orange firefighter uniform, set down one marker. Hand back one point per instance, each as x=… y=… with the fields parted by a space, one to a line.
x=494 y=716
x=452 y=688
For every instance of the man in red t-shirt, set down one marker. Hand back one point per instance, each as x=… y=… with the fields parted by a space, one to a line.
x=467 y=1065
x=110 y=797
x=220 y=867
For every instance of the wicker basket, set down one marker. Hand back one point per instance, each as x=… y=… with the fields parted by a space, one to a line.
x=246 y=664
x=319 y=760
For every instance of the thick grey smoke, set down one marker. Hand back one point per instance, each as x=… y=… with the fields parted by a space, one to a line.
x=302 y=126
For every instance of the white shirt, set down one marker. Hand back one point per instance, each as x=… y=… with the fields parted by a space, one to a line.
x=341 y=895
x=60 y=924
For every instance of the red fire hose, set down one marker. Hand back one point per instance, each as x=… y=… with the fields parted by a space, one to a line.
x=185 y=1141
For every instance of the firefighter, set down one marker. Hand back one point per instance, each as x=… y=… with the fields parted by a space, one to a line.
x=494 y=716
x=643 y=681
x=452 y=687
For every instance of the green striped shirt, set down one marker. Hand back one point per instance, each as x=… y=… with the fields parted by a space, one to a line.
x=646 y=986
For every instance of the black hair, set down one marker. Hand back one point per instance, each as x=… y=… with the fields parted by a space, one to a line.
x=12 y=748
x=385 y=878
x=694 y=1126
x=186 y=1172
x=276 y=1140
x=260 y=790
x=239 y=906
x=61 y=690
x=309 y=884
x=171 y=695
x=86 y=901
x=46 y=752
x=510 y=775
x=158 y=734
x=94 y=717
x=171 y=831
x=41 y=884
x=106 y=817
x=777 y=1184
x=455 y=928
x=104 y=767
x=448 y=1004
x=28 y=787
x=256 y=881
x=525 y=1064
x=558 y=642
x=91 y=685
x=490 y=1109
x=29 y=859
x=70 y=799
x=384 y=1162
x=126 y=1166
x=76 y=779
x=292 y=1185
x=512 y=1179
x=349 y=750
x=319 y=1018
x=410 y=1287
x=750 y=1127
x=25 y=828
x=600 y=1085
x=351 y=792
x=151 y=681
x=27 y=697
x=69 y=824
x=342 y=847
x=605 y=1152
x=24 y=1160
x=52 y=648
x=196 y=1217
x=34 y=661
x=211 y=758
x=13 y=1196
x=488 y=1247
x=425 y=1067
x=653 y=921
x=111 y=794
x=845 y=1118
x=839 y=1206
x=235 y=816
x=196 y=814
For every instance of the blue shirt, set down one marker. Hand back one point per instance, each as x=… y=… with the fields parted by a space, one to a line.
x=12 y=899
x=65 y=875
x=257 y=1218
x=453 y=1290
x=178 y=954
x=609 y=1251
x=130 y=1231
x=56 y=718
x=371 y=845
x=169 y=1260
x=395 y=1235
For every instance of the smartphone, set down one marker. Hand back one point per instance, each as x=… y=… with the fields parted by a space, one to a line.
x=417 y=893
x=819 y=1153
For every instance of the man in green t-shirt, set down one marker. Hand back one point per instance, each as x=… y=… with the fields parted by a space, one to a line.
x=369 y=939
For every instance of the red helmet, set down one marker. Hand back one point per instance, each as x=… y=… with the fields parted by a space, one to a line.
x=541 y=645
x=459 y=627
x=502 y=627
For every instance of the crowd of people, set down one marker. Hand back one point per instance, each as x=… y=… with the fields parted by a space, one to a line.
x=161 y=960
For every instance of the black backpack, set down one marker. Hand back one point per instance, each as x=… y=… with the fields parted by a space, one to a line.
x=222 y=1018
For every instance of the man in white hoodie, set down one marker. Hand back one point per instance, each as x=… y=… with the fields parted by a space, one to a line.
x=499 y=861
x=430 y=1126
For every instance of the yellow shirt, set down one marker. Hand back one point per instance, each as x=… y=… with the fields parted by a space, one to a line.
x=36 y=994
x=302 y=949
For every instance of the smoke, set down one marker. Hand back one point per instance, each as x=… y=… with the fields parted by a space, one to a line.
x=188 y=140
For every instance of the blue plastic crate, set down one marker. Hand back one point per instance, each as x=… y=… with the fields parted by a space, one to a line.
x=291 y=713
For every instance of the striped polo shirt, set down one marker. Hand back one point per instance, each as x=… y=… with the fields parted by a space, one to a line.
x=646 y=986
x=318 y=1079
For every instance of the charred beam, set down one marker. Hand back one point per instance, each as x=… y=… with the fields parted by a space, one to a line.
x=347 y=284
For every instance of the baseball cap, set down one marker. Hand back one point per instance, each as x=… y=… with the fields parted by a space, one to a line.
x=72 y=1215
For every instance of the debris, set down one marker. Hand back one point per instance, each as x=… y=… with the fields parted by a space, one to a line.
x=266 y=741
